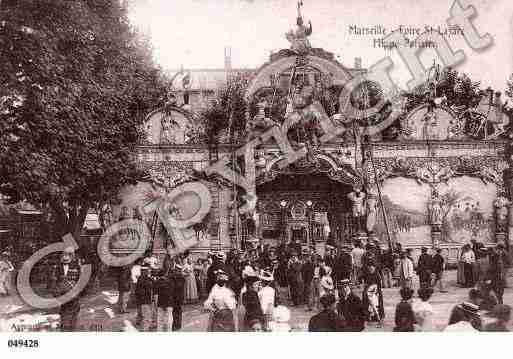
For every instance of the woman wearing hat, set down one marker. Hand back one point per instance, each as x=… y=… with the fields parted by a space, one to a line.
x=222 y=304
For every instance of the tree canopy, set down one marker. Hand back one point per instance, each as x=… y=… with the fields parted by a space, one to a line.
x=76 y=81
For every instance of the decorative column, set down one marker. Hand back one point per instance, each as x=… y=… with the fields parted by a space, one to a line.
x=225 y=199
x=435 y=218
x=501 y=206
x=371 y=208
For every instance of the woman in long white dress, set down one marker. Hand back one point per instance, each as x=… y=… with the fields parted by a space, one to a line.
x=326 y=284
x=191 y=287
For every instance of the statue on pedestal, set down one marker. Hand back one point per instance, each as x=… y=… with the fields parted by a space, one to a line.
x=435 y=212
x=501 y=205
x=372 y=211
x=298 y=38
x=357 y=197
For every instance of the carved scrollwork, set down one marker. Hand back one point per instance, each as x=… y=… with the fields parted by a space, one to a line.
x=440 y=170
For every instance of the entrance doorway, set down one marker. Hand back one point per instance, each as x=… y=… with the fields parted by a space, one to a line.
x=310 y=208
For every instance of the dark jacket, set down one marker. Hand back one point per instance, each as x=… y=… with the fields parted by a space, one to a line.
x=61 y=284
x=388 y=260
x=424 y=265
x=404 y=317
x=353 y=312
x=343 y=267
x=170 y=289
x=437 y=263
x=294 y=274
x=326 y=321
x=497 y=271
x=252 y=306
x=177 y=281
x=144 y=290
x=307 y=272
x=124 y=279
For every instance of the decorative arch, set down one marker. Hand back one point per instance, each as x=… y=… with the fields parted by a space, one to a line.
x=179 y=121
x=325 y=164
x=340 y=75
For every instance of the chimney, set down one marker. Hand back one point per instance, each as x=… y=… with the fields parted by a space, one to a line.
x=228 y=58
x=358 y=63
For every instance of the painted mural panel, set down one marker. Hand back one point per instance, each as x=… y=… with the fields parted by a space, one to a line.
x=468 y=210
x=405 y=202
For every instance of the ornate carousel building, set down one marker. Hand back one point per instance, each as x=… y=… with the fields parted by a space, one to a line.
x=433 y=175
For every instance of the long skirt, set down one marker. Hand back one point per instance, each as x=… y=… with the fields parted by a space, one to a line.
x=222 y=321
x=461 y=274
x=191 y=289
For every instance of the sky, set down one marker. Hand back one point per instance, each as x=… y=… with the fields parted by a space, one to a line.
x=194 y=33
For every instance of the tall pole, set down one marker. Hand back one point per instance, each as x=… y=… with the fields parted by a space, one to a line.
x=376 y=180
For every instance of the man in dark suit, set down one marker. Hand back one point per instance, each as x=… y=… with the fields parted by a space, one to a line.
x=424 y=268
x=350 y=307
x=295 y=280
x=64 y=278
x=307 y=272
x=499 y=262
x=177 y=283
x=327 y=320
x=343 y=266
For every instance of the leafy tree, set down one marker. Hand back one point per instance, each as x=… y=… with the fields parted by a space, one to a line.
x=461 y=92
x=76 y=81
x=227 y=111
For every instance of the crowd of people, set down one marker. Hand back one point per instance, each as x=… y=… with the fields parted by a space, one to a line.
x=252 y=290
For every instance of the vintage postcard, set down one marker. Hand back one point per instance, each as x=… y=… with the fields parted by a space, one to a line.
x=255 y=166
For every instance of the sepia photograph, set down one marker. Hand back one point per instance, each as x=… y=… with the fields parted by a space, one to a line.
x=243 y=166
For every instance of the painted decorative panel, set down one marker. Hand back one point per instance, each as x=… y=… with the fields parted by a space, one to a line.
x=405 y=202
x=468 y=210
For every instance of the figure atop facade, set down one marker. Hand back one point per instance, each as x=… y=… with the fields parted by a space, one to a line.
x=298 y=38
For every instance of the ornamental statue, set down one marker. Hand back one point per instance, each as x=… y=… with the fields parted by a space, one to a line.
x=435 y=211
x=298 y=38
x=357 y=197
x=501 y=205
x=372 y=211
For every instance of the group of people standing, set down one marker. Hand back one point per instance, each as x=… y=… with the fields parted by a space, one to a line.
x=250 y=290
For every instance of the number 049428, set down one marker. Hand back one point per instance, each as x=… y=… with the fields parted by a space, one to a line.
x=23 y=343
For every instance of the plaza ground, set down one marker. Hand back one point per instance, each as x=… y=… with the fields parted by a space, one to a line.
x=99 y=312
